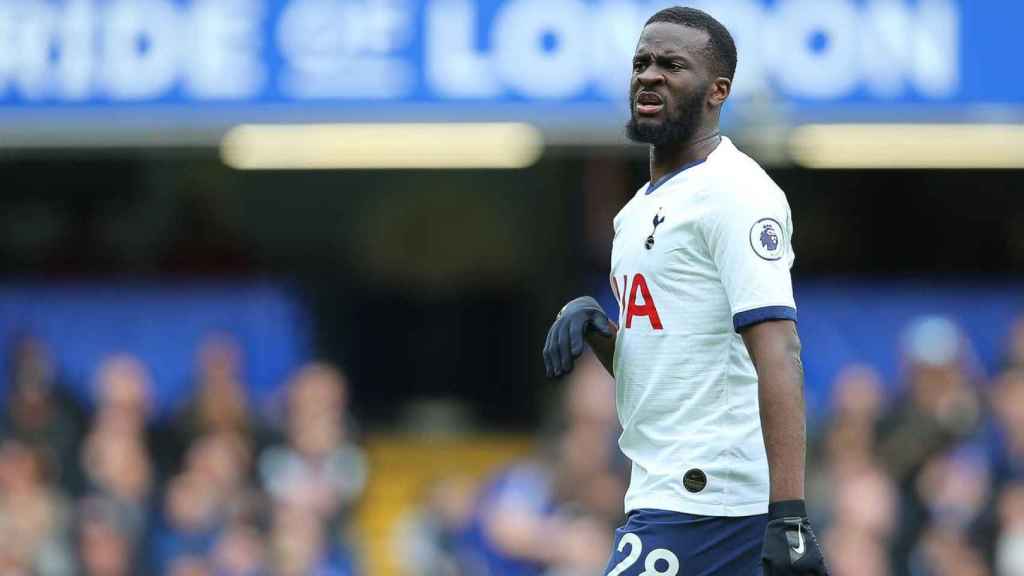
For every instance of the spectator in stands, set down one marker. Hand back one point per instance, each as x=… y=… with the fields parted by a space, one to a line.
x=846 y=445
x=319 y=467
x=427 y=537
x=117 y=467
x=861 y=533
x=220 y=403
x=854 y=553
x=941 y=406
x=847 y=474
x=116 y=461
x=301 y=546
x=945 y=551
x=35 y=517
x=107 y=540
x=318 y=473
x=189 y=566
x=954 y=489
x=123 y=388
x=551 y=515
x=192 y=518
x=240 y=551
x=598 y=475
x=1007 y=436
x=199 y=502
x=1009 y=546
x=39 y=410
x=940 y=409
x=1015 y=345
x=221 y=461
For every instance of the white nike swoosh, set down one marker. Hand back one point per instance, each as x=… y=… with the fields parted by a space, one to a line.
x=799 y=549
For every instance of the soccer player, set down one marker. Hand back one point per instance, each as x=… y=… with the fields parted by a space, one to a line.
x=706 y=358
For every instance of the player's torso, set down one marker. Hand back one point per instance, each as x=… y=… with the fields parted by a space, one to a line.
x=685 y=387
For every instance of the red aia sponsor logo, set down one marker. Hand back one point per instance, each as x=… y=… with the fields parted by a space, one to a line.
x=640 y=302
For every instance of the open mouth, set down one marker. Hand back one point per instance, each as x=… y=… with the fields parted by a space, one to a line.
x=648 y=103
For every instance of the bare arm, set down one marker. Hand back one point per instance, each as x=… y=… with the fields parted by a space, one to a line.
x=603 y=346
x=774 y=348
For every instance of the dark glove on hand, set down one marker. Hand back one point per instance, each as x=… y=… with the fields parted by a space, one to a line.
x=790 y=547
x=565 y=338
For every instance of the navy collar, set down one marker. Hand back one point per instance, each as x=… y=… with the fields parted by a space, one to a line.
x=655 y=185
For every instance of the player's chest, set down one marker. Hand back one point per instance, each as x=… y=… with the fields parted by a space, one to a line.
x=658 y=235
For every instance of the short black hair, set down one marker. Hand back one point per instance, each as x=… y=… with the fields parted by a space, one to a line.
x=721 y=49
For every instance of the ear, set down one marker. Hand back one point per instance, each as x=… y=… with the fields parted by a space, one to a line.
x=719 y=91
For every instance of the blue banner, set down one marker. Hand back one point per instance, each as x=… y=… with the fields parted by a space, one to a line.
x=498 y=59
x=82 y=325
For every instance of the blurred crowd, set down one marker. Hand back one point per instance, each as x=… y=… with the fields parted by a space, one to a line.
x=925 y=477
x=549 y=515
x=103 y=488
x=918 y=477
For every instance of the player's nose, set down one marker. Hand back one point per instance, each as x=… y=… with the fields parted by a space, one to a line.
x=650 y=76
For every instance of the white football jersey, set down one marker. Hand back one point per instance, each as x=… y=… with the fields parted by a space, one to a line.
x=697 y=257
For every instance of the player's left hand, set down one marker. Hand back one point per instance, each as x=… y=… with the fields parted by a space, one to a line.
x=790 y=547
x=565 y=338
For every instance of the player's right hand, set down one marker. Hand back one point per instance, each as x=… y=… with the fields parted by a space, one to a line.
x=790 y=546
x=566 y=336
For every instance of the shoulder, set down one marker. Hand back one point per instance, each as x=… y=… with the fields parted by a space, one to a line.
x=736 y=180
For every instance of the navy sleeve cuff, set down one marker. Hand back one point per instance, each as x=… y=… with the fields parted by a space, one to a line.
x=748 y=318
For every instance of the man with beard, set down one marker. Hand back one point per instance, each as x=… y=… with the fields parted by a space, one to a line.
x=705 y=355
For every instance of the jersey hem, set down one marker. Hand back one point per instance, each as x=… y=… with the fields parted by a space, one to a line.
x=753 y=509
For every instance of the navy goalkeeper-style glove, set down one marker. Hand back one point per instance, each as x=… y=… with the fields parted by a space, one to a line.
x=565 y=338
x=790 y=548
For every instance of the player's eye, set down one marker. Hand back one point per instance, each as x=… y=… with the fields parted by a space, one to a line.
x=639 y=65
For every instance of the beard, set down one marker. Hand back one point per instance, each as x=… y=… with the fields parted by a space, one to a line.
x=678 y=128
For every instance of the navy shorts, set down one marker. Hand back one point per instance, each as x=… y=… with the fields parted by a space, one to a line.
x=660 y=543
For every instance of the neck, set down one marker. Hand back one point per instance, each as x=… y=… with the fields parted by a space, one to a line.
x=670 y=157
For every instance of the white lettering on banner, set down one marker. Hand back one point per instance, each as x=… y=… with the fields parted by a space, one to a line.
x=141 y=47
x=935 y=68
x=809 y=49
x=826 y=49
x=140 y=50
x=454 y=66
x=224 y=55
x=814 y=47
x=542 y=47
x=76 y=65
x=130 y=49
x=928 y=59
x=345 y=48
x=29 y=31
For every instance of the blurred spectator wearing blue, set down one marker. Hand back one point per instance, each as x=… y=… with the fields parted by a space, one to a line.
x=107 y=541
x=220 y=402
x=40 y=412
x=553 y=515
x=115 y=456
x=940 y=408
x=317 y=474
x=847 y=474
x=35 y=517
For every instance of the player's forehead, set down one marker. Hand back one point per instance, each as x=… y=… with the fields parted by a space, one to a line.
x=668 y=39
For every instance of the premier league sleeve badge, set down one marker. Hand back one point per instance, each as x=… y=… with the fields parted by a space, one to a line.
x=766 y=239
